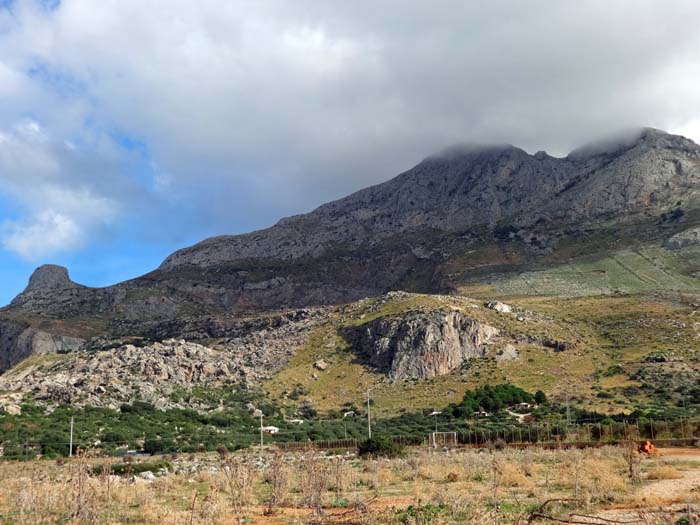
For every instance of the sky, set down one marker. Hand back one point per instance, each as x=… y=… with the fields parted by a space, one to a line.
x=129 y=129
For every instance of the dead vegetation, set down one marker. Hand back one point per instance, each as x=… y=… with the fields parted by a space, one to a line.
x=426 y=487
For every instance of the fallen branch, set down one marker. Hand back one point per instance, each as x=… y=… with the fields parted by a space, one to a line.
x=573 y=518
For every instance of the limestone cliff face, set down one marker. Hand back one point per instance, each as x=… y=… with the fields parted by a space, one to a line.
x=18 y=341
x=421 y=345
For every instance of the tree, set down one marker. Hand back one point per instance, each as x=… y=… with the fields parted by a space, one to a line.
x=381 y=447
x=540 y=397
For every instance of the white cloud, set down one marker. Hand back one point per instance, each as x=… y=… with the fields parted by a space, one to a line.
x=252 y=110
x=42 y=235
x=60 y=213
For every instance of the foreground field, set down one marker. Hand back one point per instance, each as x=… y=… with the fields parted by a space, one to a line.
x=607 y=485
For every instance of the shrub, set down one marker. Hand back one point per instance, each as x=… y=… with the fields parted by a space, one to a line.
x=222 y=451
x=158 y=446
x=664 y=472
x=121 y=469
x=381 y=447
x=499 y=444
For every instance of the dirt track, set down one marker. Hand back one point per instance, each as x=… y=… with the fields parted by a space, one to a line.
x=656 y=497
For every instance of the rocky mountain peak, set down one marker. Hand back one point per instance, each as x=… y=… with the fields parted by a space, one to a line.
x=416 y=231
x=49 y=276
x=638 y=138
x=49 y=284
x=473 y=149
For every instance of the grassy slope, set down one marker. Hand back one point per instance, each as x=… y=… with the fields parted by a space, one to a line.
x=644 y=269
x=608 y=306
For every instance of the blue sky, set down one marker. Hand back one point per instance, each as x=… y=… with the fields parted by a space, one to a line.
x=131 y=129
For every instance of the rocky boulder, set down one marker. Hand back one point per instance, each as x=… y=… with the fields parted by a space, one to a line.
x=499 y=307
x=422 y=344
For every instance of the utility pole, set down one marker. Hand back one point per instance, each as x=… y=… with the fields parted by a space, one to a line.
x=369 y=418
x=261 y=432
x=70 y=446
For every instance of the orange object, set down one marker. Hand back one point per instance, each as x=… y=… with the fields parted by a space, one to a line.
x=648 y=448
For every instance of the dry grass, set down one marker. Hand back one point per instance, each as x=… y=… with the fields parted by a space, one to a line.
x=664 y=472
x=426 y=487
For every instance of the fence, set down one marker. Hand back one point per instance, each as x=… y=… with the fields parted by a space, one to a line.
x=331 y=444
x=682 y=432
x=547 y=435
x=592 y=432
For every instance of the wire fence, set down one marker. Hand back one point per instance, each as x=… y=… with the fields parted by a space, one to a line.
x=544 y=434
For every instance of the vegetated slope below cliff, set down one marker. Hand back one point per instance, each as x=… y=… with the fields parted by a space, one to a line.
x=609 y=353
x=411 y=351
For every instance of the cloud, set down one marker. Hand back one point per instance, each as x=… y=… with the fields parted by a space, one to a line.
x=59 y=212
x=247 y=111
x=47 y=233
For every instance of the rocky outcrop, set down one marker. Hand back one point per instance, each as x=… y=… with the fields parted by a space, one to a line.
x=103 y=372
x=50 y=276
x=47 y=279
x=18 y=341
x=421 y=344
x=499 y=307
x=684 y=239
x=127 y=373
x=123 y=374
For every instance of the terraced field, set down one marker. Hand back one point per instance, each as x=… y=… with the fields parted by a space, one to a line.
x=646 y=269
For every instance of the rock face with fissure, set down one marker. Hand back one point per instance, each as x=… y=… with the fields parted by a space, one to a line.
x=421 y=345
x=19 y=341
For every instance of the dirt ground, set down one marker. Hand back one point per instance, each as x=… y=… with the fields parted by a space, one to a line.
x=679 y=496
x=425 y=487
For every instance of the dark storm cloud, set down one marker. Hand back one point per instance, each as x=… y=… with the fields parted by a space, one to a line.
x=253 y=110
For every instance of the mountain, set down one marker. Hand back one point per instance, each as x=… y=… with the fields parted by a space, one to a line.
x=617 y=216
x=411 y=232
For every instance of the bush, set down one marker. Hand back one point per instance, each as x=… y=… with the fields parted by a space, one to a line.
x=159 y=446
x=499 y=444
x=121 y=469
x=381 y=447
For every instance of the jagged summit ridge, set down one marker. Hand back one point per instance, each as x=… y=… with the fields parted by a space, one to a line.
x=622 y=141
x=471 y=186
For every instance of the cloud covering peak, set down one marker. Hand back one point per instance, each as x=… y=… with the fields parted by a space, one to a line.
x=181 y=119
